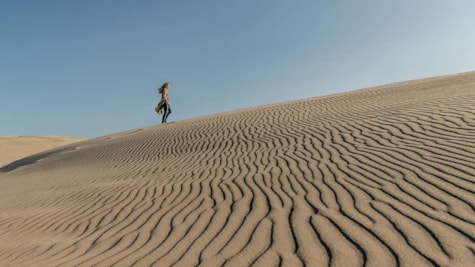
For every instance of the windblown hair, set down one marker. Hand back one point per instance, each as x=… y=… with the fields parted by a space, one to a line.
x=165 y=85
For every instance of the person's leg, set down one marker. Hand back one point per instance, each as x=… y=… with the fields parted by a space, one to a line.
x=165 y=113
x=169 y=108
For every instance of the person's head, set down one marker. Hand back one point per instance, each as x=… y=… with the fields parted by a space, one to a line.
x=164 y=86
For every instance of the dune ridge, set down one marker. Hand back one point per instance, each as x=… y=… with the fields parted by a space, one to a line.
x=383 y=176
x=16 y=147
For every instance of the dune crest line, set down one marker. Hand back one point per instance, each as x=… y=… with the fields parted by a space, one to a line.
x=383 y=176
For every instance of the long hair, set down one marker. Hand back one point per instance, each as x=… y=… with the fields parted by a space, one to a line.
x=165 y=85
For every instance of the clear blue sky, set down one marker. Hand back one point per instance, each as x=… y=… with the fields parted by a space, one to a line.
x=90 y=68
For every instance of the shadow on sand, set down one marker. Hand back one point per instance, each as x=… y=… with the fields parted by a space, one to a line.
x=32 y=159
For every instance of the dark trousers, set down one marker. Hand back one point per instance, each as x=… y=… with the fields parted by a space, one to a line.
x=166 y=112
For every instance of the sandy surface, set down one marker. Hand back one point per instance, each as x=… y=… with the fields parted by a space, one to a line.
x=377 y=177
x=16 y=147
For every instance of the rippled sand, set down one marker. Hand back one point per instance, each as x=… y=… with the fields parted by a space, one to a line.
x=376 y=177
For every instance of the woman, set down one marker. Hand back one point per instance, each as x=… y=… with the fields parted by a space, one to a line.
x=164 y=103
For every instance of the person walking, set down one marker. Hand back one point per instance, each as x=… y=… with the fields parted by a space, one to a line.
x=164 y=102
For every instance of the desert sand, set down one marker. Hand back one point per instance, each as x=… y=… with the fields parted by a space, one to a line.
x=383 y=176
x=16 y=147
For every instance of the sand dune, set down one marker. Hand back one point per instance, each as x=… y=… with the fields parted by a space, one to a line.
x=383 y=176
x=16 y=147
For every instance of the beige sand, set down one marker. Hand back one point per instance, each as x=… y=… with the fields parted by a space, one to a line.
x=16 y=147
x=377 y=177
